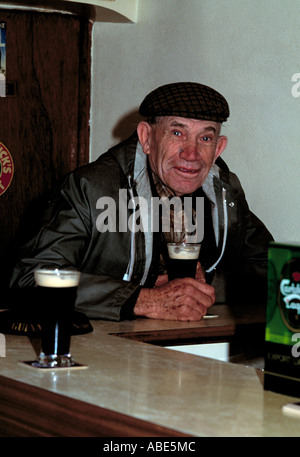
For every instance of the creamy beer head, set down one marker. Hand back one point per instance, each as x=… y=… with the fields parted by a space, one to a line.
x=183 y=251
x=56 y=278
x=183 y=258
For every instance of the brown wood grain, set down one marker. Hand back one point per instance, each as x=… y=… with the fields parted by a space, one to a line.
x=28 y=411
x=186 y=335
x=45 y=124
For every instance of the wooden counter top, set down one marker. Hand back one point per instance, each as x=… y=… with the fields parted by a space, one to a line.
x=135 y=389
x=228 y=323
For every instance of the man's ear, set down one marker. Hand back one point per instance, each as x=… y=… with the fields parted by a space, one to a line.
x=221 y=145
x=144 y=131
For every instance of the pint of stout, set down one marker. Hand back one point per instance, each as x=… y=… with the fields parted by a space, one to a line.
x=183 y=258
x=57 y=294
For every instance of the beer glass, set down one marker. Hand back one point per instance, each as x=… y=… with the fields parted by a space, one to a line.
x=183 y=258
x=57 y=293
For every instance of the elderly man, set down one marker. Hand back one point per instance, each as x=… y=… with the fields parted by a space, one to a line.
x=174 y=152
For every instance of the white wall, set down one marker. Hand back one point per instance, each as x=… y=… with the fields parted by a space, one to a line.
x=248 y=50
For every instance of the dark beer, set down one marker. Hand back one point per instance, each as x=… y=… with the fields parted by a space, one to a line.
x=183 y=258
x=58 y=304
x=57 y=294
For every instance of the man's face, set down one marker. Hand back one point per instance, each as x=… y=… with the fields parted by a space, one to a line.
x=181 y=150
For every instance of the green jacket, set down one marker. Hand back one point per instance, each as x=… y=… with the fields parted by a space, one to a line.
x=115 y=265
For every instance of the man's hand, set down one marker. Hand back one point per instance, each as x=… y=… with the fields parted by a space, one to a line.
x=184 y=299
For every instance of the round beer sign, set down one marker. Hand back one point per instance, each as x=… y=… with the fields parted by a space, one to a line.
x=6 y=168
x=289 y=294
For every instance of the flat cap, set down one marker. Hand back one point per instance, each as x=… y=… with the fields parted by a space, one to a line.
x=186 y=99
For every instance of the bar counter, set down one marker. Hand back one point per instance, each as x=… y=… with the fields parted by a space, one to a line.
x=133 y=388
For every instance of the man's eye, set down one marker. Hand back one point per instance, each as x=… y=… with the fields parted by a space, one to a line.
x=176 y=133
x=206 y=138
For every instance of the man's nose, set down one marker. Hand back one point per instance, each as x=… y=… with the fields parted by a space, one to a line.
x=189 y=152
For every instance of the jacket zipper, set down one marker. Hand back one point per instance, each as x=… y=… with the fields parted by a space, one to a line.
x=224 y=203
x=128 y=275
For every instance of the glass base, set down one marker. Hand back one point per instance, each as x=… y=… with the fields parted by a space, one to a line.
x=54 y=361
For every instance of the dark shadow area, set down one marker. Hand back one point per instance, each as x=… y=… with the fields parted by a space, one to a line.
x=127 y=125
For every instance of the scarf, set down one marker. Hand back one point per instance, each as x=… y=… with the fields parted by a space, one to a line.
x=175 y=220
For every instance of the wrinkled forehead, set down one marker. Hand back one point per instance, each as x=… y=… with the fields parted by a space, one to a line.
x=189 y=124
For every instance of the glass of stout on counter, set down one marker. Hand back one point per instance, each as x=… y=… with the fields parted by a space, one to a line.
x=57 y=293
x=183 y=258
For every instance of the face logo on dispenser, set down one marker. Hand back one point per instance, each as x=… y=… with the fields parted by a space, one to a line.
x=296 y=276
x=289 y=294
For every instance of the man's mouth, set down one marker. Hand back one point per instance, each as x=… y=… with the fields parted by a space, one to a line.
x=190 y=171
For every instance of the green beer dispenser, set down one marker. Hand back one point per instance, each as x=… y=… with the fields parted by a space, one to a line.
x=282 y=337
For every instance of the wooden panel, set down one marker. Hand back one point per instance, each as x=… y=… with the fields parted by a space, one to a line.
x=28 y=411
x=45 y=123
x=188 y=335
x=232 y=321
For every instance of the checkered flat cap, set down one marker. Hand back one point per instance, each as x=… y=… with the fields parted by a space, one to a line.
x=186 y=99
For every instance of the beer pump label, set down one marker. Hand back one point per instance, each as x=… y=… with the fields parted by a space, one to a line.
x=289 y=294
x=6 y=168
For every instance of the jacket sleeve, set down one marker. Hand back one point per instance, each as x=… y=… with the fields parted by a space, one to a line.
x=103 y=297
x=251 y=276
x=249 y=267
x=62 y=242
